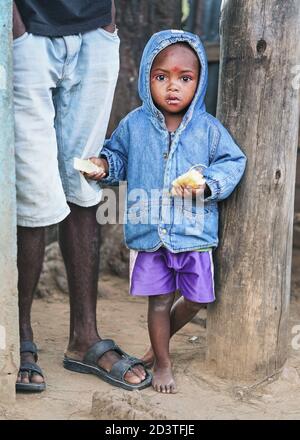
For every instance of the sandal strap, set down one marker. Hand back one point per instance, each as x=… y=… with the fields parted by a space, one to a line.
x=131 y=358
x=99 y=349
x=133 y=361
x=120 y=368
x=31 y=367
x=29 y=346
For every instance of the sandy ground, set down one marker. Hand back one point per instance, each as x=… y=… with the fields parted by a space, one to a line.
x=71 y=396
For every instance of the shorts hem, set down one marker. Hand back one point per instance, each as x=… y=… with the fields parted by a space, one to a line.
x=153 y=294
x=200 y=301
x=85 y=203
x=31 y=223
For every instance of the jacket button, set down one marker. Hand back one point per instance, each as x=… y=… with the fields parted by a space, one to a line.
x=166 y=155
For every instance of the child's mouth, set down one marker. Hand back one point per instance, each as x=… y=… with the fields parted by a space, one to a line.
x=172 y=100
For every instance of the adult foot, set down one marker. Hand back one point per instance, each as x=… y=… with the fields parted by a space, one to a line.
x=148 y=358
x=163 y=380
x=135 y=375
x=25 y=376
x=30 y=377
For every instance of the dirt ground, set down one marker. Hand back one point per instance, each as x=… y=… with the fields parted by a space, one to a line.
x=71 y=396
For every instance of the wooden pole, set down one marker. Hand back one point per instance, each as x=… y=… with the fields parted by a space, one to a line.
x=9 y=326
x=247 y=327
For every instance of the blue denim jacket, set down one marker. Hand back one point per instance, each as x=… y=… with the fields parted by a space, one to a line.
x=142 y=152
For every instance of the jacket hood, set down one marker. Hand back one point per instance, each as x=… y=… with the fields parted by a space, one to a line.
x=156 y=44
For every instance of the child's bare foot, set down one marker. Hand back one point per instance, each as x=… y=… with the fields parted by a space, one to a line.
x=163 y=380
x=148 y=358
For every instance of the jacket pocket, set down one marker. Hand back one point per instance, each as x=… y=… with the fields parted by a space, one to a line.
x=195 y=216
x=193 y=219
x=192 y=209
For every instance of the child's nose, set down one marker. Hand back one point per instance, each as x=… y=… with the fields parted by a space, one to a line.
x=173 y=86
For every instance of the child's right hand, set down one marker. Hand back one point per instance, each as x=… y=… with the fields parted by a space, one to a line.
x=102 y=164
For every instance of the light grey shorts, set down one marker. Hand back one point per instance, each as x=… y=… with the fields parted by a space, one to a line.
x=63 y=93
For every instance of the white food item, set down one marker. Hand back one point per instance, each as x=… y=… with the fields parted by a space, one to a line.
x=86 y=166
x=192 y=179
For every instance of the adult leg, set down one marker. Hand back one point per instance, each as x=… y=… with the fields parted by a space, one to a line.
x=40 y=197
x=159 y=331
x=79 y=238
x=89 y=84
x=182 y=312
x=31 y=246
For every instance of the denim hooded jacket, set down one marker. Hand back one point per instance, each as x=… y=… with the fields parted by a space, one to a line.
x=142 y=152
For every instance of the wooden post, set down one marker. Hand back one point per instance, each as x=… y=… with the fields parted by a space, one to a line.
x=9 y=325
x=247 y=327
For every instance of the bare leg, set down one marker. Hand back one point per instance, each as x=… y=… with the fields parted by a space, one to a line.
x=182 y=312
x=31 y=248
x=79 y=238
x=159 y=331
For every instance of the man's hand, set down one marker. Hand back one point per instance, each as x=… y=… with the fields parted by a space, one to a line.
x=18 y=25
x=112 y=26
x=101 y=163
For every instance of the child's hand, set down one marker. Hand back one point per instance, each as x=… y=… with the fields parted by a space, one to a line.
x=102 y=164
x=187 y=191
x=189 y=185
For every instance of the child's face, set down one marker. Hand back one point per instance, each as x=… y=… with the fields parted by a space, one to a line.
x=174 y=78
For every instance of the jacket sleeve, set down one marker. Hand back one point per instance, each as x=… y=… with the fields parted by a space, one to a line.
x=226 y=168
x=115 y=151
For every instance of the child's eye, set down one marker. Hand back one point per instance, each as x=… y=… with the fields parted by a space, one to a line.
x=186 y=78
x=160 y=77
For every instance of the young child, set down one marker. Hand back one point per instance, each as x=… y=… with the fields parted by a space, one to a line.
x=152 y=146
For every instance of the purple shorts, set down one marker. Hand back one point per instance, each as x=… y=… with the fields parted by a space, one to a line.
x=162 y=272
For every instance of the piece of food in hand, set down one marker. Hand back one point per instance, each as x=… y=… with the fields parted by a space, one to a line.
x=191 y=179
x=86 y=166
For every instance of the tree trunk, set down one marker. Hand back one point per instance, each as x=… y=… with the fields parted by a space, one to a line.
x=247 y=327
x=137 y=21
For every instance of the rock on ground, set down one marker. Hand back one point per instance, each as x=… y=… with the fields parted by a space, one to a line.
x=122 y=405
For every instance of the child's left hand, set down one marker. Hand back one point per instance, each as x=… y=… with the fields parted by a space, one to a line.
x=187 y=191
